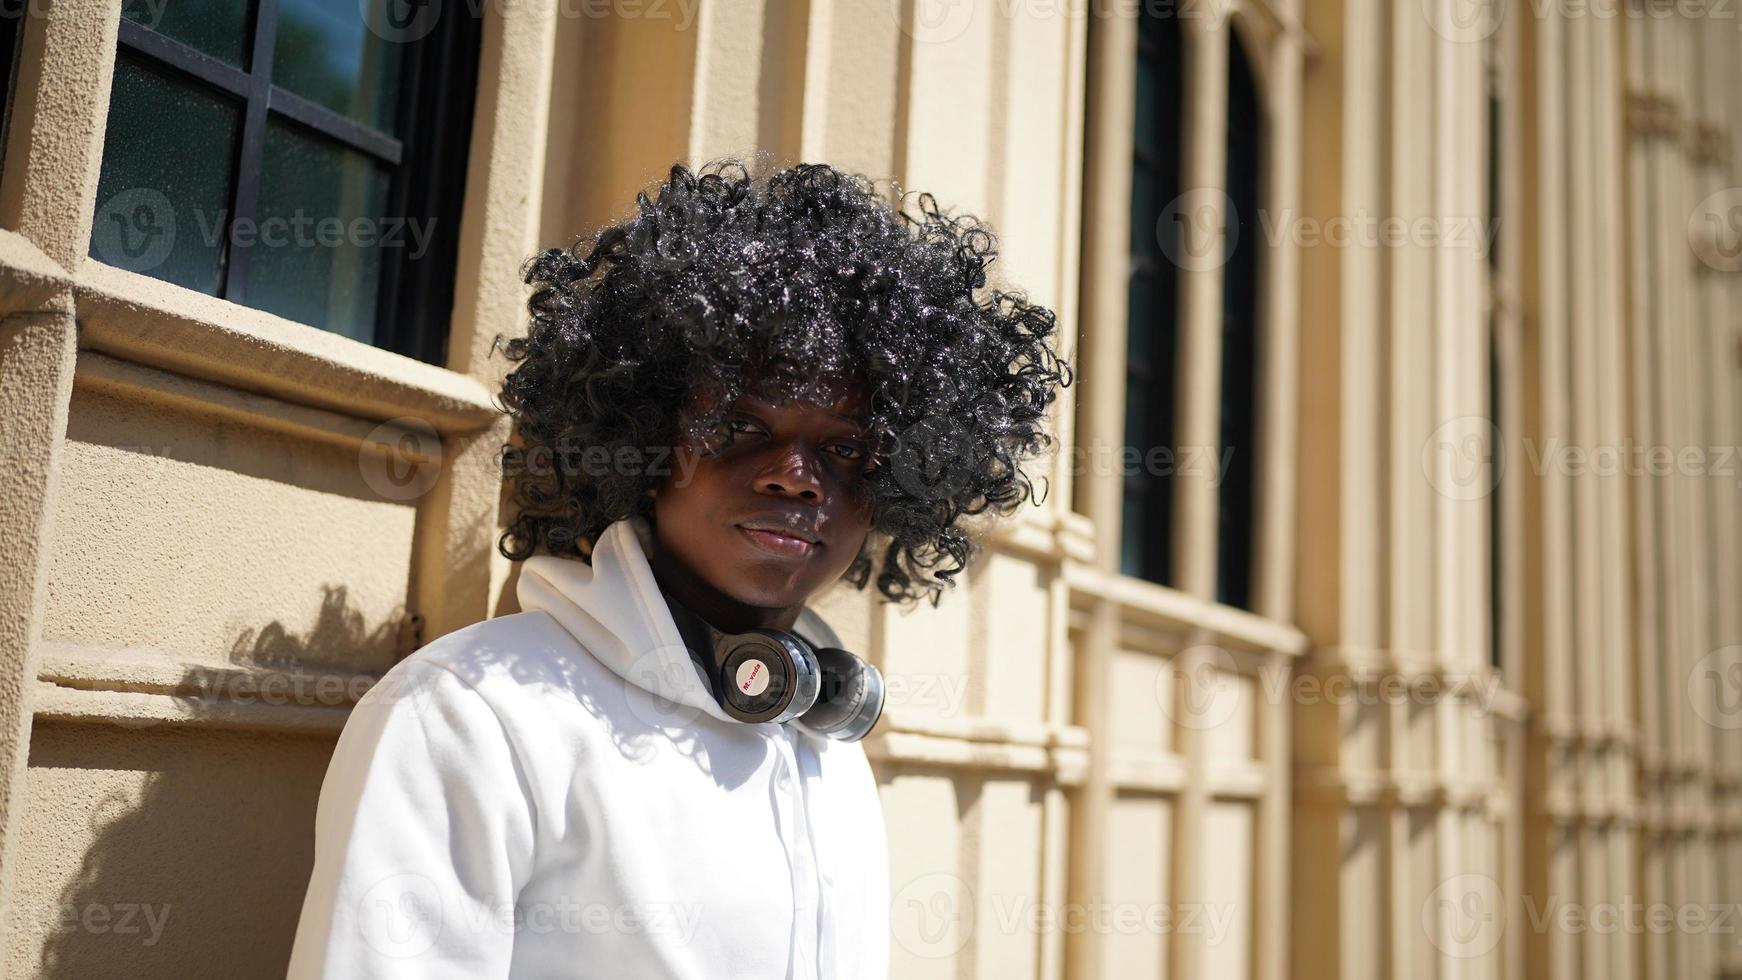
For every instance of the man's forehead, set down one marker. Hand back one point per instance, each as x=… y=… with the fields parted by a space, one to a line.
x=846 y=398
x=848 y=406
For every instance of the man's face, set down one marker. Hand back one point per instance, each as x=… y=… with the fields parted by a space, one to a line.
x=773 y=516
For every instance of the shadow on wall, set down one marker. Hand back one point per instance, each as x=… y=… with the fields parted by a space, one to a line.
x=167 y=849
x=184 y=853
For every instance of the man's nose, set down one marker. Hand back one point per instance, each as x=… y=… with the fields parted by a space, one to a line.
x=792 y=472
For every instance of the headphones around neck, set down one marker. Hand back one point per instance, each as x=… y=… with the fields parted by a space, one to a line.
x=770 y=675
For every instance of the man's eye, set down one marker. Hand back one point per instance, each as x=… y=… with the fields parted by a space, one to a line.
x=847 y=450
x=740 y=425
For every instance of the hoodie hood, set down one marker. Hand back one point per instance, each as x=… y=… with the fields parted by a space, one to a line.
x=614 y=609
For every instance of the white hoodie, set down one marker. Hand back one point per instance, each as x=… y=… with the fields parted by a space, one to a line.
x=555 y=793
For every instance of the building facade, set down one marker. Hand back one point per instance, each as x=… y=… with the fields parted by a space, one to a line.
x=1381 y=617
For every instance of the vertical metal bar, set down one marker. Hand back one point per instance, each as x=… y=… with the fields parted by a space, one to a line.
x=253 y=149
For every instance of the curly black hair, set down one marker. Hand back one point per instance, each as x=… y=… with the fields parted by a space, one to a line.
x=778 y=282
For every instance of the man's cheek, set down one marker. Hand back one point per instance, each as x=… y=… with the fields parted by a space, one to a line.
x=686 y=464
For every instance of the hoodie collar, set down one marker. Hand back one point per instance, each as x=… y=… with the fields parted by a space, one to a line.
x=614 y=608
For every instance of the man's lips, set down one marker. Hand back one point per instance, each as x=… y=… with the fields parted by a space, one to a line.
x=781 y=543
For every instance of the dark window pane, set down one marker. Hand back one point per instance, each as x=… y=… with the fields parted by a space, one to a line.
x=1149 y=84
x=1146 y=318
x=1155 y=170
x=1496 y=511
x=1137 y=414
x=215 y=27
x=1494 y=189
x=317 y=258
x=11 y=18
x=1238 y=451
x=1131 y=537
x=325 y=52
x=1146 y=531
x=1496 y=405
x=1145 y=539
x=164 y=194
x=1146 y=205
x=1147 y=450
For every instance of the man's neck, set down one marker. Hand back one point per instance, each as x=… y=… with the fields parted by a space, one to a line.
x=720 y=611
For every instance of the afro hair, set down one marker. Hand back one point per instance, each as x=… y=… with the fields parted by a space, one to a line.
x=728 y=282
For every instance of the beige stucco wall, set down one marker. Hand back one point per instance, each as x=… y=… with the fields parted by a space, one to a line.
x=198 y=499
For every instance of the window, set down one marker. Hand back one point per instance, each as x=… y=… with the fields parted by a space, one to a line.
x=305 y=157
x=1145 y=541
x=1239 y=423
x=1152 y=381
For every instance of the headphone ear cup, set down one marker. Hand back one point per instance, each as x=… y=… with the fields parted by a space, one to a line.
x=765 y=675
x=850 y=699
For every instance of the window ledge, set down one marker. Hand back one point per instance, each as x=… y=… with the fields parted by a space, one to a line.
x=149 y=321
x=1240 y=629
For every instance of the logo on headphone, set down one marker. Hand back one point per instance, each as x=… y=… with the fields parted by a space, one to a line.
x=752 y=677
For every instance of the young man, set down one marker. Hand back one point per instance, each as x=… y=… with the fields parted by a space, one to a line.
x=752 y=388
